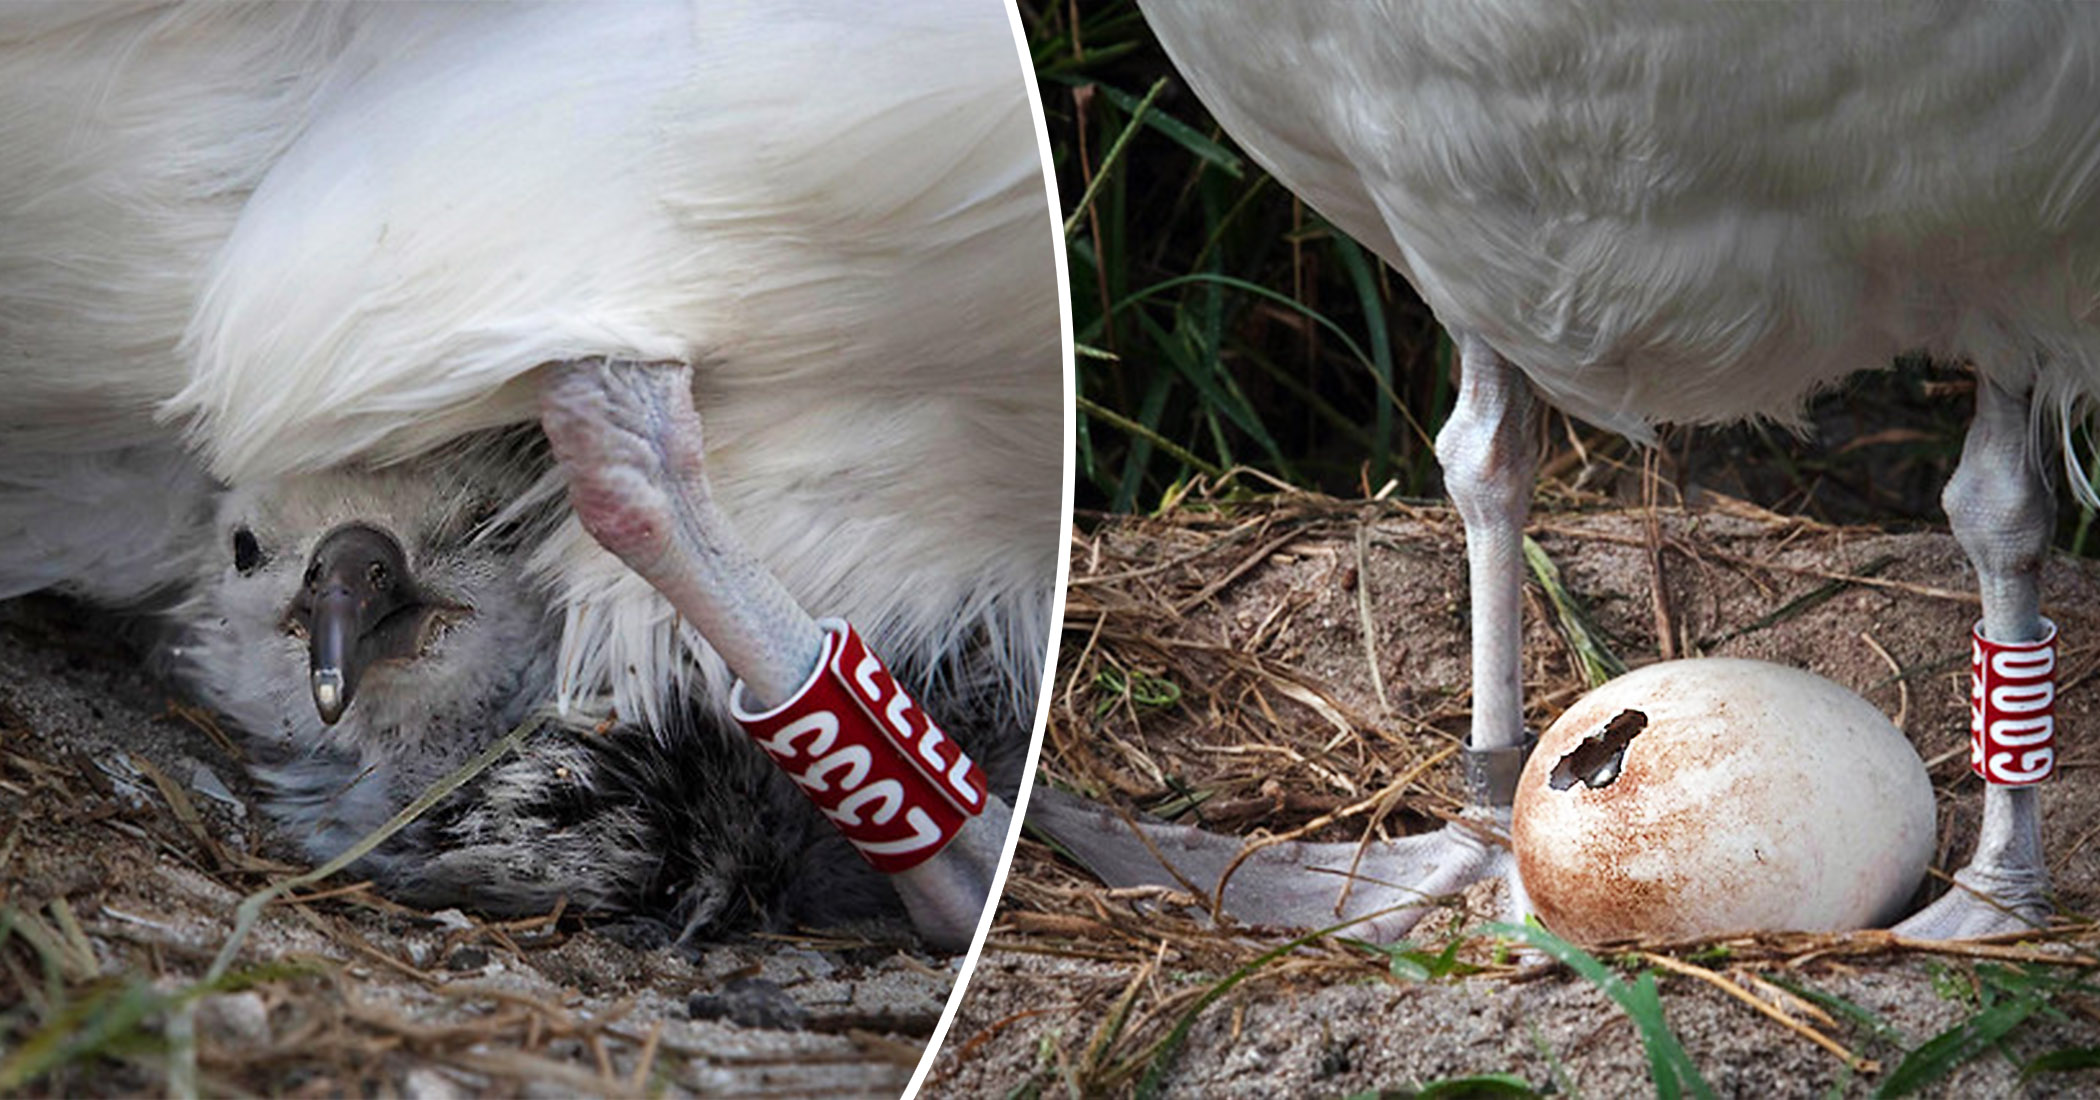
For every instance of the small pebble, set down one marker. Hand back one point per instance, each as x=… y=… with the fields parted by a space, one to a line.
x=237 y=1020
x=792 y=964
x=750 y=1002
x=429 y=1084
x=206 y=782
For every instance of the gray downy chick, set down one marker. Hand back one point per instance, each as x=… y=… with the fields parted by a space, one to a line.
x=371 y=630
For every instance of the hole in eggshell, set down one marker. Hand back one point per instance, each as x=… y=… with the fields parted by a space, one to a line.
x=1597 y=759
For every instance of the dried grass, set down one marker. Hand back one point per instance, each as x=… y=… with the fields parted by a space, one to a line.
x=1178 y=700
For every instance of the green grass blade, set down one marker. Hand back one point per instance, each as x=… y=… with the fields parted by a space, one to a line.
x=1599 y=664
x=1200 y=366
x=1950 y=1048
x=1162 y=1053
x=1150 y=436
x=1114 y=154
x=1478 y=1086
x=1262 y=292
x=2085 y=514
x=1180 y=133
x=2063 y=1061
x=1822 y=593
x=82 y=1029
x=1161 y=1056
x=1848 y=1011
x=1670 y=1069
x=1364 y=278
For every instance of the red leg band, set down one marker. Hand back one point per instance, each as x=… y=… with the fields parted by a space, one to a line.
x=2012 y=708
x=868 y=757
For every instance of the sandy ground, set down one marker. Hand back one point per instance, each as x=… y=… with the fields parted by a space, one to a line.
x=1219 y=653
x=126 y=842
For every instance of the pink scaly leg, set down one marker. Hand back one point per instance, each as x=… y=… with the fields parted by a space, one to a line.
x=630 y=440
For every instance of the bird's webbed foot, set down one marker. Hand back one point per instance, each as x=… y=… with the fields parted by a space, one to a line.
x=1384 y=887
x=1982 y=902
x=2005 y=887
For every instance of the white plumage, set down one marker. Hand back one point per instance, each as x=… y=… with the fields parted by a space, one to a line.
x=1693 y=213
x=1662 y=211
x=312 y=235
x=324 y=256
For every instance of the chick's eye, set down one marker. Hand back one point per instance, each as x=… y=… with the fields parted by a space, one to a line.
x=247 y=553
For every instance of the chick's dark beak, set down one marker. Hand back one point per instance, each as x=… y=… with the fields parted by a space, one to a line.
x=359 y=605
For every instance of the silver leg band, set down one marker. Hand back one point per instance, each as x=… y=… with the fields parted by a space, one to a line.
x=1491 y=774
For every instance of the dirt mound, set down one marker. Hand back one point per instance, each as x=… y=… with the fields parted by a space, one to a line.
x=126 y=841
x=1215 y=666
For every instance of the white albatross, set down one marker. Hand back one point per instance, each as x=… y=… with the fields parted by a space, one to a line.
x=273 y=242
x=1645 y=212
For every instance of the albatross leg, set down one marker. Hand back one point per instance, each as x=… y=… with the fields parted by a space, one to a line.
x=1489 y=452
x=630 y=441
x=1999 y=509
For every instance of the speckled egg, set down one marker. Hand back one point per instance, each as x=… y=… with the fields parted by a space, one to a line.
x=1693 y=798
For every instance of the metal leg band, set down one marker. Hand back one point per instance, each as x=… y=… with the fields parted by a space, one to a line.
x=1491 y=774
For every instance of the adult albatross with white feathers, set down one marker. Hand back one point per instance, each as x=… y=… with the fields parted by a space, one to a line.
x=303 y=242
x=1647 y=212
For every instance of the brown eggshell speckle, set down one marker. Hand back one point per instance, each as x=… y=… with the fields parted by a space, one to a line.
x=1748 y=796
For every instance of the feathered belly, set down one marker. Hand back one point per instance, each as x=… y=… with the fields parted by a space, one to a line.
x=1670 y=211
x=346 y=234
x=1697 y=320
x=1726 y=312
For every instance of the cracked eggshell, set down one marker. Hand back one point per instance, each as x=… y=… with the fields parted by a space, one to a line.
x=1693 y=798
